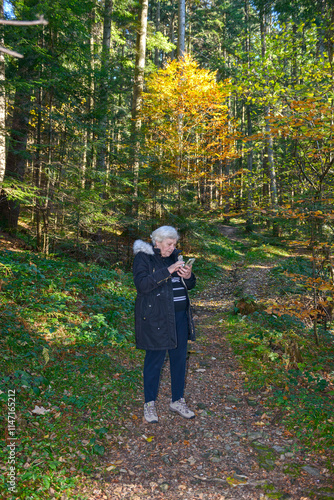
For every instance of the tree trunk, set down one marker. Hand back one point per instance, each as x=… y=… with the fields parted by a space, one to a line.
x=37 y=169
x=171 y=32
x=137 y=95
x=181 y=47
x=181 y=42
x=157 y=28
x=2 y=108
x=17 y=148
x=269 y=137
x=249 y=221
x=271 y=166
x=103 y=91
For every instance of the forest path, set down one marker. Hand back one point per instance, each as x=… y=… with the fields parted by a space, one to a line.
x=232 y=449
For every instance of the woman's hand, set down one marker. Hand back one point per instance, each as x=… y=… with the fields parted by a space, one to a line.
x=185 y=272
x=175 y=267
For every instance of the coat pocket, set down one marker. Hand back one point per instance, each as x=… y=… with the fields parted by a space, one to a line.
x=154 y=309
x=146 y=308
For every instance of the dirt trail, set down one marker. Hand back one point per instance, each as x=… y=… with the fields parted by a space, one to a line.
x=232 y=449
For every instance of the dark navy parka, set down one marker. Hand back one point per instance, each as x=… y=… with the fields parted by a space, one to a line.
x=154 y=309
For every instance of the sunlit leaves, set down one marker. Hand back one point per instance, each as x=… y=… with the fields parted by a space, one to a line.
x=188 y=127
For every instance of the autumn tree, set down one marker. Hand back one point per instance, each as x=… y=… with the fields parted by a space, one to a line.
x=184 y=162
x=301 y=125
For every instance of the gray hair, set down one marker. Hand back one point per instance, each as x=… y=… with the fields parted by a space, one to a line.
x=164 y=232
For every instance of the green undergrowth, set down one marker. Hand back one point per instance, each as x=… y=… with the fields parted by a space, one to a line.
x=68 y=356
x=68 y=359
x=295 y=376
x=213 y=252
x=68 y=366
x=264 y=252
x=279 y=354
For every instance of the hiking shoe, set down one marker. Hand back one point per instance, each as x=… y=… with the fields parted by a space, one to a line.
x=181 y=408
x=150 y=413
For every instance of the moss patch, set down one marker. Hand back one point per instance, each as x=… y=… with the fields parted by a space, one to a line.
x=266 y=456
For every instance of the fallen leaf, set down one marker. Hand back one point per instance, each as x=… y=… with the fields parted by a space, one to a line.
x=39 y=410
x=147 y=438
x=113 y=465
x=45 y=354
x=235 y=482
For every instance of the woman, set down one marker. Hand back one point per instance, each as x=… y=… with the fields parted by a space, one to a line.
x=163 y=316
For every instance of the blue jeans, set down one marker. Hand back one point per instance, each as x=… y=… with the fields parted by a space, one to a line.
x=154 y=361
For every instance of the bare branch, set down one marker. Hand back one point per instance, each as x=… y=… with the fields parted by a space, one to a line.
x=10 y=52
x=11 y=22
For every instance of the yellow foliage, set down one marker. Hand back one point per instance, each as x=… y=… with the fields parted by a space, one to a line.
x=187 y=125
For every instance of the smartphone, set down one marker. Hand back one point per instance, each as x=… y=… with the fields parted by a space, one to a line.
x=190 y=262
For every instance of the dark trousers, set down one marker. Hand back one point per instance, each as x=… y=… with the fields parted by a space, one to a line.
x=177 y=359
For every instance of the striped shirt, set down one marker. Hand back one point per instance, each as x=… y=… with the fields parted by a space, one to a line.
x=180 y=294
x=179 y=290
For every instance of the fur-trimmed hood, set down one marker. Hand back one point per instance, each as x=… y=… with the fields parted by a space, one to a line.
x=142 y=246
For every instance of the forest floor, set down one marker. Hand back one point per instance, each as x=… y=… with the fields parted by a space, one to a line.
x=233 y=448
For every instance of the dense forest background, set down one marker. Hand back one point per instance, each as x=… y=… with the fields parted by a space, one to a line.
x=216 y=117
x=90 y=156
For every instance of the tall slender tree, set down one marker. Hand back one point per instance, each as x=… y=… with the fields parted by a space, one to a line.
x=2 y=107
x=181 y=41
x=103 y=97
x=138 y=88
x=16 y=161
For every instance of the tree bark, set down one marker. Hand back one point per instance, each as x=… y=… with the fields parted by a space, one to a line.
x=138 y=88
x=171 y=31
x=249 y=222
x=2 y=108
x=104 y=90
x=181 y=43
x=157 y=28
x=17 y=149
x=268 y=134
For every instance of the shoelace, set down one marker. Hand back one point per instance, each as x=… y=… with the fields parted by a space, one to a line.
x=184 y=406
x=151 y=409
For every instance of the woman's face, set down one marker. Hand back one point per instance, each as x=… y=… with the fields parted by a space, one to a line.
x=166 y=246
